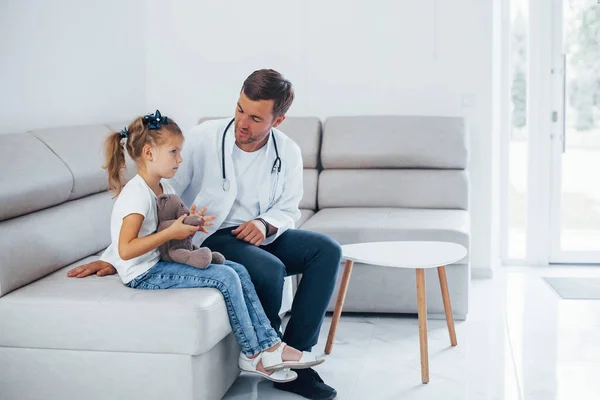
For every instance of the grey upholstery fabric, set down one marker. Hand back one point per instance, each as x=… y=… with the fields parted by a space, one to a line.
x=98 y=375
x=34 y=245
x=81 y=148
x=102 y=314
x=34 y=177
x=310 y=181
x=305 y=215
x=359 y=225
x=394 y=188
x=389 y=178
x=306 y=132
x=394 y=142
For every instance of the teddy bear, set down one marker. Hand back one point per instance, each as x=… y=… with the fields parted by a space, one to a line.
x=170 y=208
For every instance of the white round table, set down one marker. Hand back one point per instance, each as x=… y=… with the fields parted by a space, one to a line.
x=407 y=254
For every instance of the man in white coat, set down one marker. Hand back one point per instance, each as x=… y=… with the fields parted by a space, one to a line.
x=249 y=175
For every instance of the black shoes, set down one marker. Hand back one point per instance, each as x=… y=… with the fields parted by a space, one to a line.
x=308 y=384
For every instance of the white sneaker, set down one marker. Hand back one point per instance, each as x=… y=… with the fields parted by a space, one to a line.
x=249 y=365
x=273 y=361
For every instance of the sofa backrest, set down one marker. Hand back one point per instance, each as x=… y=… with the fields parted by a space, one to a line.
x=306 y=132
x=394 y=161
x=55 y=206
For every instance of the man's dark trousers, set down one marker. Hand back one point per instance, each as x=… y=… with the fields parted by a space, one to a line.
x=314 y=255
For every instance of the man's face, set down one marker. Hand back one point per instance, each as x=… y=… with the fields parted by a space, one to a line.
x=254 y=120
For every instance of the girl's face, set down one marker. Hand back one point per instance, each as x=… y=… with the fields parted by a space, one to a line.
x=166 y=157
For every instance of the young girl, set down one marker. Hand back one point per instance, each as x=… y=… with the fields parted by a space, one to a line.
x=154 y=142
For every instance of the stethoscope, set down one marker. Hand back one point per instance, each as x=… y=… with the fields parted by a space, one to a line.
x=276 y=164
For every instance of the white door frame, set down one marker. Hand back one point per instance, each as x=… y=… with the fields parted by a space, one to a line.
x=539 y=123
x=556 y=255
x=545 y=95
x=540 y=140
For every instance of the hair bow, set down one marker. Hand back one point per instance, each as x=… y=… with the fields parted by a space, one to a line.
x=155 y=120
x=124 y=133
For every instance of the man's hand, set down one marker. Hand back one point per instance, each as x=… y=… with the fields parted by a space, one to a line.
x=98 y=267
x=253 y=232
x=200 y=213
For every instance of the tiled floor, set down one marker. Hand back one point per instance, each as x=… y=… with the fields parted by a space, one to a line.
x=521 y=341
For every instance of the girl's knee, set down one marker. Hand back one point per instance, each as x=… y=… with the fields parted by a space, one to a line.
x=228 y=276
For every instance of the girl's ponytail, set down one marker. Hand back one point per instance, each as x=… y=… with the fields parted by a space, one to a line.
x=115 y=162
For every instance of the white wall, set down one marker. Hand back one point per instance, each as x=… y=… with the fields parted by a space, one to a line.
x=344 y=58
x=70 y=62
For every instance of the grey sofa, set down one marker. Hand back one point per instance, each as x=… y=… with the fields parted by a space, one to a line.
x=97 y=339
x=386 y=178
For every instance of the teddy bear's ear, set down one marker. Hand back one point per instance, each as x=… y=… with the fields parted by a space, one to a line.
x=162 y=201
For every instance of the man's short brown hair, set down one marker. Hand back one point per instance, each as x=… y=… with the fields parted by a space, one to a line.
x=268 y=84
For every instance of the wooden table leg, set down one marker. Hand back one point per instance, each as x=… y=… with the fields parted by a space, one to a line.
x=339 y=305
x=447 y=304
x=422 y=312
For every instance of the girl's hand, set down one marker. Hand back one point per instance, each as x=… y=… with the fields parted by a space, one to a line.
x=100 y=268
x=181 y=231
x=205 y=219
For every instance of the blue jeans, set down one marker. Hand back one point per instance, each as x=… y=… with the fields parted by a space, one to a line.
x=314 y=255
x=249 y=323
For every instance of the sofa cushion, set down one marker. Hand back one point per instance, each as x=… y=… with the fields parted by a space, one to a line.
x=359 y=225
x=38 y=178
x=394 y=142
x=37 y=244
x=394 y=188
x=103 y=314
x=304 y=216
x=81 y=148
x=310 y=180
x=306 y=132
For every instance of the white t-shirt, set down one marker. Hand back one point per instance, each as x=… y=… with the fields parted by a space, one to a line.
x=135 y=198
x=247 y=203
